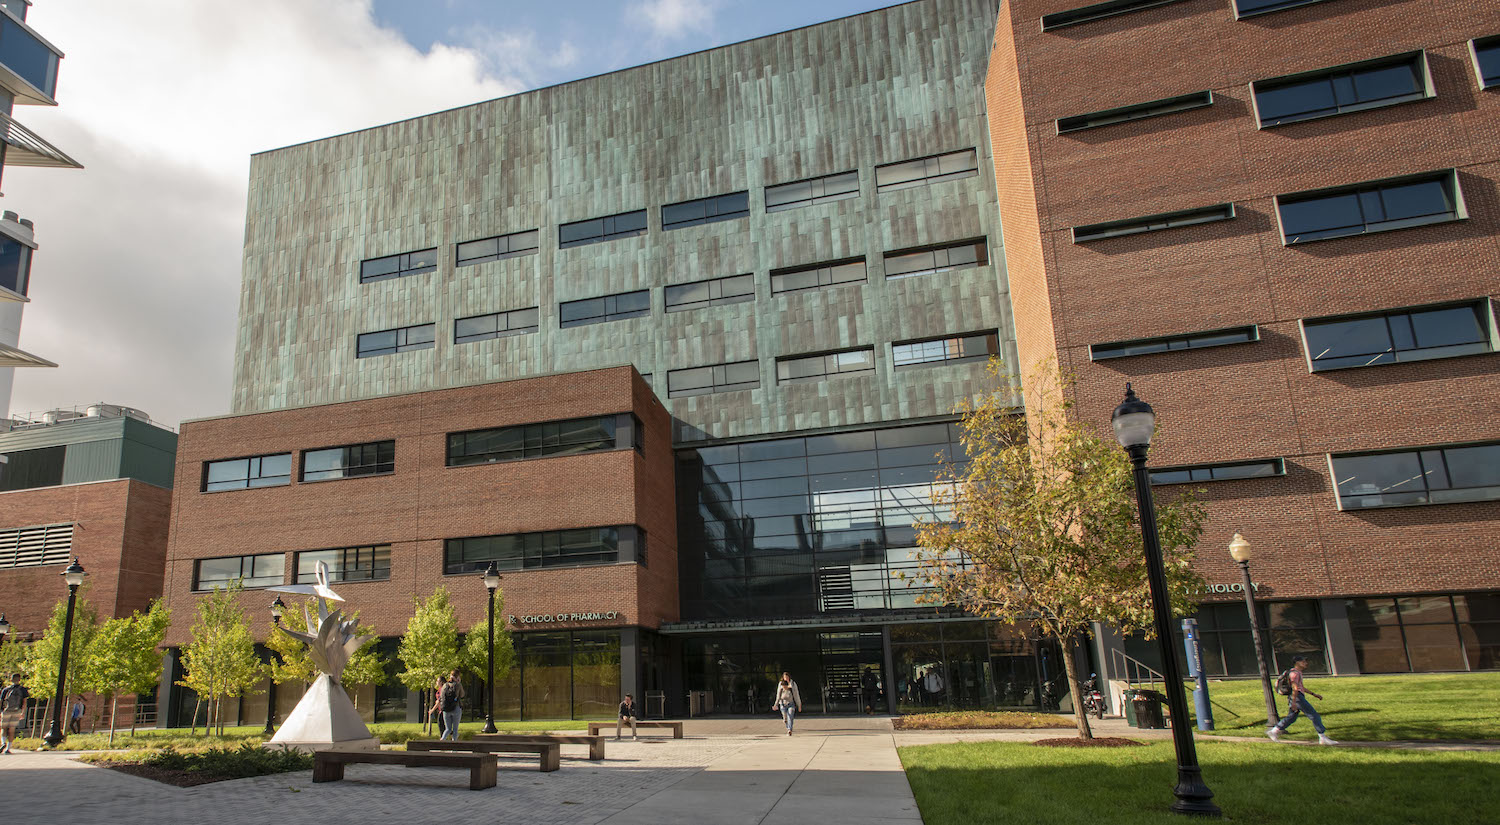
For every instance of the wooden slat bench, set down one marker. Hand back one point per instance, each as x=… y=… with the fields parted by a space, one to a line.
x=328 y=766
x=595 y=743
x=596 y=727
x=549 y=753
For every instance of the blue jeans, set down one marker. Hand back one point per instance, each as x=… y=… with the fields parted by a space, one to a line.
x=789 y=715
x=450 y=723
x=1298 y=706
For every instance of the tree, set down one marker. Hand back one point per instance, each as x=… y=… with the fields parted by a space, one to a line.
x=476 y=643
x=125 y=657
x=42 y=656
x=294 y=664
x=148 y=631
x=12 y=657
x=429 y=649
x=220 y=661
x=1042 y=525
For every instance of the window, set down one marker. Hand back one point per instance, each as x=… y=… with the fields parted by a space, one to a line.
x=29 y=469
x=1486 y=51
x=1251 y=8
x=376 y=458
x=909 y=263
x=1138 y=111
x=348 y=564
x=242 y=473
x=1097 y=11
x=251 y=571
x=513 y=245
x=606 y=308
x=705 y=210
x=577 y=435
x=818 y=367
x=1377 y=206
x=740 y=375
x=909 y=173
x=1226 y=471
x=1435 y=475
x=496 y=325
x=29 y=58
x=1427 y=633
x=15 y=265
x=976 y=347
x=529 y=551
x=1172 y=343
x=1352 y=88
x=713 y=292
x=397 y=266
x=36 y=546
x=1398 y=336
x=1152 y=223
x=623 y=225
x=833 y=273
x=812 y=191
x=386 y=342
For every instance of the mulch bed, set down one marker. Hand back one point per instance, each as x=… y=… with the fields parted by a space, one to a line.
x=1096 y=742
x=182 y=779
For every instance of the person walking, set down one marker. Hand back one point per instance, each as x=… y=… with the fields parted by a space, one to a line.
x=627 y=715
x=788 y=701
x=1297 y=703
x=436 y=711
x=76 y=714
x=12 y=710
x=453 y=709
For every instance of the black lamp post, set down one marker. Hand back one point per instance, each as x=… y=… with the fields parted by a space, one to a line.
x=73 y=575
x=278 y=607
x=4 y=627
x=1239 y=550
x=1134 y=424
x=491 y=582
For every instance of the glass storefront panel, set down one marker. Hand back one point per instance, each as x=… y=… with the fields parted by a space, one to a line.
x=596 y=675
x=1433 y=647
x=920 y=681
x=546 y=676
x=1380 y=649
x=971 y=684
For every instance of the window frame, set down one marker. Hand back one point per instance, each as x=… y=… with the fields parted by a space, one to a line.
x=819 y=269
x=197 y=585
x=610 y=304
x=814 y=199
x=1278 y=465
x=606 y=222
x=1418 y=57
x=525 y=438
x=402 y=342
x=829 y=358
x=1449 y=176
x=508 y=332
x=623 y=534
x=1284 y=5
x=992 y=336
x=510 y=252
x=1427 y=490
x=1160 y=222
x=1475 y=45
x=203 y=486
x=981 y=245
x=1097 y=11
x=403 y=270
x=1135 y=111
x=1485 y=306
x=1252 y=331
x=302 y=462
x=927 y=179
x=716 y=385
x=714 y=285
x=337 y=575
x=710 y=215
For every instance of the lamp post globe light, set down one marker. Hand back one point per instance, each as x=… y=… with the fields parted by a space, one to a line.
x=73 y=575
x=1134 y=424
x=491 y=582
x=278 y=608
x=1239 y=550
x=4 y=627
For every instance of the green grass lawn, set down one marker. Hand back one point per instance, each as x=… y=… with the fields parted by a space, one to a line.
x=1372 y=708
x=182 y=738
x=981 y=719
x=987 y=782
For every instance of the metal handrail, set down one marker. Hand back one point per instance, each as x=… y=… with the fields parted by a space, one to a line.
x=1123 y=664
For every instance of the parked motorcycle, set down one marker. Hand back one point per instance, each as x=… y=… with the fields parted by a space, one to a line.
x=1093 y=699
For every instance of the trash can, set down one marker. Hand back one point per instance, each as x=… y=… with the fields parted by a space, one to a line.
x=1127 y=703
x=1147 y=706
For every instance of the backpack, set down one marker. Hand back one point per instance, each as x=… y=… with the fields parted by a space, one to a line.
x=450 y=697
x=1284 y=684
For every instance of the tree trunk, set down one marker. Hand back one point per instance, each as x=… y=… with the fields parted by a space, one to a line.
x=114 y=707
x=197 y=703
x=1070 y=647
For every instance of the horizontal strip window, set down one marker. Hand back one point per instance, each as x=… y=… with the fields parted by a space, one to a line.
x=740 y=375
x=930 y=260
x=530 y=551
x=615 y=307
x=1153 y=223
x=376 y=458
x=549 y=438
x=623 y=225
x=1377 y=206
x=499 y=247
x=713 y=292
x=832 y=273
x=496 y=325
x=922 y=171
x=803 y=368
x=36 y=546
x=243 y=473
x=812 y=191
x=397 y=266
x=706 y=210
x=1352 y=88
x=1486 y=53
x=1098 y=11
x=1226 y=471
x=1138 y=111
x=1173 y=343
x=1399 y=335
x=1436 y=475
x=347 y=564
x=978 y=347
x=1252 y=8
x=266 y=570
x=387 y=342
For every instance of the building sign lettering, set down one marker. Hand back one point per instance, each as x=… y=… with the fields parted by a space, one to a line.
x=548 y=618
x=1237 y=587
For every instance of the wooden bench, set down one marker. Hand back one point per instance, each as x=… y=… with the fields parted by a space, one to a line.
x=328 y=766
x=549 y=753
x=595 y=743
x=596 y=727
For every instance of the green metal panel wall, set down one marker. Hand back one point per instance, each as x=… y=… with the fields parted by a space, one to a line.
x=148 y=453
x=92 y=461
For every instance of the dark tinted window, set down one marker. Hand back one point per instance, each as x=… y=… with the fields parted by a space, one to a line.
x=15 y=265
x=550 y=438
x=1139 y=111
x=1347 y=89
x=605 y=308
x=346 y=564
x=1097 y=11
x=922 y=171
x=1218 y=472
x=563 y=548
x=909 y=263
x=812 y=191
x=398 y=266
x=946 y=350
x=1404 y=335
x=819 y=367
x=713 y=292
x=1170 y=343
x=1375 y=207
x=1248 y=8
x=26 y=55
x=623 y=225
x=813 y=276
x=496 y=325
x=499 y=247
x=374 y=458
x=740 y=375
x=1437 y=475
x=242 y=473
x=390 y=341
x=252 y=571
x=1152 y=223
x=705 y=210
x=1487 y=61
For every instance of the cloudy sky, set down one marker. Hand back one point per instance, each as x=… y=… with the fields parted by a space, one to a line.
x=135 y=287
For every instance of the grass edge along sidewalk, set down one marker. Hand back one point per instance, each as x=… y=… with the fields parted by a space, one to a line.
x=182 y=739
x=984 y=782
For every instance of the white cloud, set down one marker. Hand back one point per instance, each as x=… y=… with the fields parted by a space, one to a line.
x=675 y=18
x=518 y=58
x=135 y=289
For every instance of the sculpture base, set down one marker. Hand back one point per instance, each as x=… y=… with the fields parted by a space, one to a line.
x=325 y=718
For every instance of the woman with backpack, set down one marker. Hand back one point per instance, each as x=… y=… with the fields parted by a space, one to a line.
x=1290 y=685
x=788 y=701
x=449 y=700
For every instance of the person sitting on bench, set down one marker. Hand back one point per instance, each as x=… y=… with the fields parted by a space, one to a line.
x=627 y=714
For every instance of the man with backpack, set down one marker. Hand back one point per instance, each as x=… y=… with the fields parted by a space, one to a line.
x=1290 y=685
